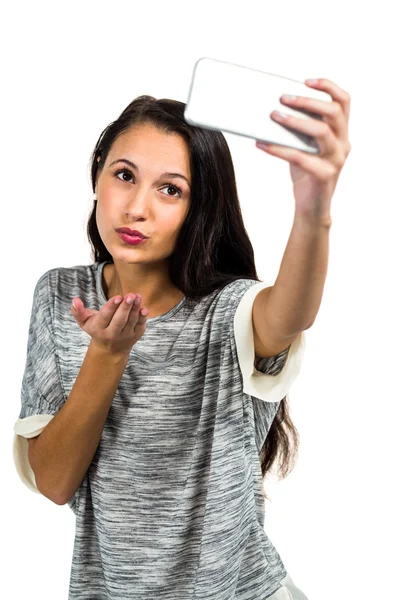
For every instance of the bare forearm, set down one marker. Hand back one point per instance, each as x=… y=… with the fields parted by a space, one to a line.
x=294 y=301
x=64 y=450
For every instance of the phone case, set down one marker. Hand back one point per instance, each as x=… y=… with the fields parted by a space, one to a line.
x=240 y=100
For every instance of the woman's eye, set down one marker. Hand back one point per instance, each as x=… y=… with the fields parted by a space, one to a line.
x=123 y=172
x=168 y=185
x=178 y=190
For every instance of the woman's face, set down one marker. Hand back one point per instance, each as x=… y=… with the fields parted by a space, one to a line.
x=141 y=198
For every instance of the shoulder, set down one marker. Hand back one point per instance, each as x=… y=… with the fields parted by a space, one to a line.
x=234 y=291
x=52 y=278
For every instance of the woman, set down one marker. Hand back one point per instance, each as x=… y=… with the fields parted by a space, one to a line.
x=149 y=420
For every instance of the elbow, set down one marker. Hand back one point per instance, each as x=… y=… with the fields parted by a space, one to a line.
x=41 y=486
x=50 y=495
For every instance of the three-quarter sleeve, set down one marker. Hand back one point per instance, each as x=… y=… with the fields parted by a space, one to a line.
x=268 y=379
x=42 y=394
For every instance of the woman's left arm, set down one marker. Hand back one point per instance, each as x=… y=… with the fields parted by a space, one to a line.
x=292 y=304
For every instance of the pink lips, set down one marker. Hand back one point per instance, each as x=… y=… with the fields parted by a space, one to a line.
x=133 y=240
x=133 y=232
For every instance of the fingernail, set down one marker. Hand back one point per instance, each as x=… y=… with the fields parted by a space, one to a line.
x=280 y=115
x=137 y=300
x=74 y=305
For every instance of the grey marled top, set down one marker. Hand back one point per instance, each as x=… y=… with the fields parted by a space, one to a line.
x=171 y=507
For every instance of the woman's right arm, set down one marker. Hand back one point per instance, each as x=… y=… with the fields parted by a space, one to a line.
x=60 y=456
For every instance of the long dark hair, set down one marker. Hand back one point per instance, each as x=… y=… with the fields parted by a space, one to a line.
x=212 y=248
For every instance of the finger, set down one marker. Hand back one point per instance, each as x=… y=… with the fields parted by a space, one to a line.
x=143 y=315
x=80 y=313
x=122 y=313
x=76 y=304
x=337 y=93
x=108 y=310
x=142 y=319
x=332 y=112
x=326 y=139
x=136 y=317
x=320 y=168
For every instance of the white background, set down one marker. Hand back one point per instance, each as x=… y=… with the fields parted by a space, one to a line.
x=68 y=70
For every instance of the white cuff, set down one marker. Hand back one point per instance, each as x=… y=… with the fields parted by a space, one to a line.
x=270 y=388
x=27 y=428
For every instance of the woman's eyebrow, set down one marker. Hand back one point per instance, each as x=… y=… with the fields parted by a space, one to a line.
x=166 y=174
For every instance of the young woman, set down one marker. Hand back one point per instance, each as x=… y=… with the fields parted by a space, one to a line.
x=158 y=421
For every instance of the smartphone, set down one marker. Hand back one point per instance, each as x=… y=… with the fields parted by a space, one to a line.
x=240 y=100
